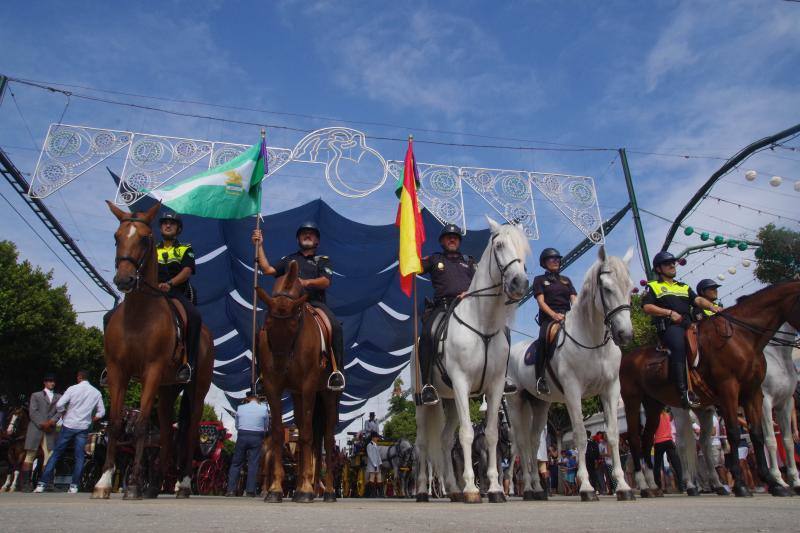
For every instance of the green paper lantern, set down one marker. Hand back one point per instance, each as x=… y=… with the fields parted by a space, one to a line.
x=759 y=253
x=719 y=239
x=732 y=243
x=688 y=230
x=704 y=236
x=742 y=246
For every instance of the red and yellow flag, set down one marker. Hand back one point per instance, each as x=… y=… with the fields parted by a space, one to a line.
x=409 y=220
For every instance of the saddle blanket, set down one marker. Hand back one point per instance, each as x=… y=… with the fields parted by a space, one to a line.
x=530 y=353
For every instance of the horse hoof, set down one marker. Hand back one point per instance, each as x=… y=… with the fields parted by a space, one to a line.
x=692 y=491
x=647 y=493
x=497 y=497
x=151 y=493
x=424 y=498
x=102 y=493
x=303 y=497
x=329 y=497
x=273 y=497
x=658 y=493
x=528 y=496
x=589 y=496
x=472 y=497
x=625 y=496
x=779 y=491
x=740 y=491
x=133 y=493
x=722 y=491
x=183 y=493
x=457 y=497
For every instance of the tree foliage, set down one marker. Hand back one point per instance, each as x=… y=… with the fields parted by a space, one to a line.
x=402 y=422
x=38 y=329
x=779 y=256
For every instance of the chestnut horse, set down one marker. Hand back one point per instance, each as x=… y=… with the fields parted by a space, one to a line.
x=15 y=433
x=290 y=353
x=731 y=367
x=141 y=341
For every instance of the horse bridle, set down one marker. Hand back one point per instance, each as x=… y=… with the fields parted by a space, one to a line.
x=502 y=269
x=139 y=263
x=289 y=316
x=758 y=330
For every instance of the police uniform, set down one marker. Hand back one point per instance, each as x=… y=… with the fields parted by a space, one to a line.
x=558 y=291
x=313 y=267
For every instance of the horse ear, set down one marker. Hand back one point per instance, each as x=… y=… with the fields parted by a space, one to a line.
x=263 y=296
x=291 y=274
x=628 y=256
x=152 y=212
x=601 y=253
x=493 y=225
x=119 y=213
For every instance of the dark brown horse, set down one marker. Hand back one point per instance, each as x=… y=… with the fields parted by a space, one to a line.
x=290 y=353
x=731 y=369
x=18 y=421
x=141 y=341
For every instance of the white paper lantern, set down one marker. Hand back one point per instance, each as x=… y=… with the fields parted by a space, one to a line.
x=775 y=181
x=746 y=263
x=721 y=277
x=731 y=270
x=750 y=175
x=797 y=186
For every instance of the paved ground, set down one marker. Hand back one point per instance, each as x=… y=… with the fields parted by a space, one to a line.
x=64 y=512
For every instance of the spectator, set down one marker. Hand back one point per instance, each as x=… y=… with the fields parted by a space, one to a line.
x=41 y=408
x=664 y=444
x=607 y=464
x=373 y=466
x=371 y=425
x=80 y=405
x=252 y=421
x=541 y=461
x=591 y=456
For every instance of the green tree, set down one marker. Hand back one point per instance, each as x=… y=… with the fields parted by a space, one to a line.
x=402 y=422
x=38 y=329
x=644 y=333
x=778 y=259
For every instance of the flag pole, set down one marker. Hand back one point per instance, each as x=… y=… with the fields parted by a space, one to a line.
x=417 y=370
x=253 y=376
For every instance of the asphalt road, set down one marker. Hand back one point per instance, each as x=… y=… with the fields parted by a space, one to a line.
x=65 y=512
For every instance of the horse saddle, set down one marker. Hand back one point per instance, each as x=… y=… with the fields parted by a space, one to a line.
x=181 y=321
x=552 y=334
x=692 y=346
x=325 y=328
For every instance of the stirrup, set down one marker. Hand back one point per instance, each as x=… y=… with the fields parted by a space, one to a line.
x=541 y=386
x=184 y=373
x=336 y=381
x=509 y=387
x=104 y=378
x=429 y=395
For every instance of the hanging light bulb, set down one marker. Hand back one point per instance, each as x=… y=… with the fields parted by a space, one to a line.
x=731 y=270
x=721 y=277
x=750 y=175
x=775 y=181
x=746 y=263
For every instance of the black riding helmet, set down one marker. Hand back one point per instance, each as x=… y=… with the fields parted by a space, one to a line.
x=661 y=258
x=450 y=229
x=546 y=254
x=309 y=225
x=707 y=284
x=172 y=217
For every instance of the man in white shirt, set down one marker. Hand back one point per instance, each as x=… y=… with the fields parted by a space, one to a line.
x=252 y=421
x=80 y=405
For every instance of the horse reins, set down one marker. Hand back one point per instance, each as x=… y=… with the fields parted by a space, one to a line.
x=298 y=316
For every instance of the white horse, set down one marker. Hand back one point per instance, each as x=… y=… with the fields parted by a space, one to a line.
x=475 y=360
x=585 y=364
x=778 y=388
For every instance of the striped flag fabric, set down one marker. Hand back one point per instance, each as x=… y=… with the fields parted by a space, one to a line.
x=228 y=191
x=409 y=221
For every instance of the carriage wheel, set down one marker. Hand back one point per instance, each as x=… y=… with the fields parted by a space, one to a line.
x=361 y=483
x=221 y=481
x=206 y=474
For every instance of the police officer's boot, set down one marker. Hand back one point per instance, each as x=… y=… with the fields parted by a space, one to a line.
x=25 y=478
x=184 y=373
x=541 y=382
x=509 y=387
x=428 y=395
x=688 y=398
x=336 y=381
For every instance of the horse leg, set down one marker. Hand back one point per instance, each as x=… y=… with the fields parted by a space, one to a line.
x=274 y=494
x=784 y=418
x=117 y=386
x=610 y=401
x=465 y=436
x=495 y=493
x=705 y=418
x=305 y=486
x=573 y=401
x=423 y=413
x=520 y=419
x=538 y=418
x=166 y=408
x=728 y=392
x=331 y=418
x=150 y=384
x=652 y=411
x=453 y=488
x=752 y=410
x=770 y=441
x=686 y=448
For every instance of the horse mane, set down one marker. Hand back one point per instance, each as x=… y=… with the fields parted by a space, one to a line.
x=519 y=241
x=589 y=286
x=747 y=298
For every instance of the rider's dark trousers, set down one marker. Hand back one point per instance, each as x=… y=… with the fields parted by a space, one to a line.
x=667 y=447
x=426 y=344
x=337 y=334
x=674 y=339
x=541 y=352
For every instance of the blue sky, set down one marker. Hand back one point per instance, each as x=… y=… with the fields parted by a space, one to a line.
x=689 y=78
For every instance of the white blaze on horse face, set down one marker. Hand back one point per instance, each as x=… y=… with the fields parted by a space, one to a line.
x=131 y=231
x=11 y=423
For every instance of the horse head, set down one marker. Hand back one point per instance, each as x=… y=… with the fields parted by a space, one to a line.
x=18 y=422
x=612 y=286
x=134 y=245
x=284 y=309
x=509 y=249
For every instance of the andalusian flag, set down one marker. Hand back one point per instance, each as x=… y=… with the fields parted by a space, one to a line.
x=231 y=190
x=409 y=220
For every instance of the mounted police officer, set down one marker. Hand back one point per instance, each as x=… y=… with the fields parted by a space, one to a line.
x=707 y=288
x=669 y=302
x=555 y=295
x=451 y=273
x=175 y=266
x=315 y=274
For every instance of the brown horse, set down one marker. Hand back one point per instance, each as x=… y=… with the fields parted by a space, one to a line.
x=731 y=369
x=141 y=341
x=15 y=434
x=290 y=353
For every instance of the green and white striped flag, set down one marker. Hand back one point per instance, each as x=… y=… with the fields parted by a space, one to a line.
x=231 y=190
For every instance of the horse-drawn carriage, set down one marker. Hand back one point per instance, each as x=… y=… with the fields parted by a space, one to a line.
x=397 y=462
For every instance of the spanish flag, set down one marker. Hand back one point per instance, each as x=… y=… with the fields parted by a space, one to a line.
x=409 y=220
